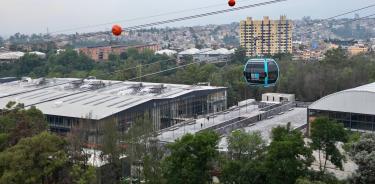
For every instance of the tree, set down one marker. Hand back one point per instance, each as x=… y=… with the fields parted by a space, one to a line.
x=1 y=41
x=191 y=158
x=245 y=162
x=142 y=150
x=124 y=55
x=37 y=159
x=287 y=157
x=113 y=57
x=152 y=169
x=82 y=175
x=335 y=56
x=325 y=134
x=244 y=145
x=19 y=123
x=111 y=173
x=239 y=56
x=307 y=181
x=363 y=153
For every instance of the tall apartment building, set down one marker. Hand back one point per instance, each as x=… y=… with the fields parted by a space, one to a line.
x=263 y=37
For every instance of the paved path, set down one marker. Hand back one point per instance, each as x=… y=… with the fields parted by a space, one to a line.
x=297 y=117
x=203 y=123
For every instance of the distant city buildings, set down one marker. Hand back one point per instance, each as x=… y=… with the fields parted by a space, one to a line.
x=266 y=37
x=101 y=53
x=357 y=49
x=7 y=56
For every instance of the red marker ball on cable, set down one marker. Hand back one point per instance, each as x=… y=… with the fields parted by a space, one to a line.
x=231 y=3
x=116 y=30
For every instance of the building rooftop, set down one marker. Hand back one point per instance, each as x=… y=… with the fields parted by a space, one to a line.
x=207 y=51
x=91 y=98
x=357 y=100
x=166 y=51
x=11 y=55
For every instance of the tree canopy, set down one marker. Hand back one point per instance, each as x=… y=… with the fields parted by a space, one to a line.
x=191 y=159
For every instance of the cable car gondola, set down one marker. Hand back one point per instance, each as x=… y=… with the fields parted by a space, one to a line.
x=261 y=72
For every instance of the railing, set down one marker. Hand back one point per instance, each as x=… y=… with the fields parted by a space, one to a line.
x=229 y=126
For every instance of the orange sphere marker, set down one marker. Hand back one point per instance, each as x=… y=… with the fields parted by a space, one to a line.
x=116 y=30
x=231 y=3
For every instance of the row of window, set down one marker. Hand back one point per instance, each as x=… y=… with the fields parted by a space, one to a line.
x=350 y=120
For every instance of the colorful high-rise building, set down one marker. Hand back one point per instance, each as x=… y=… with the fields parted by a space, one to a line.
x=266 y=37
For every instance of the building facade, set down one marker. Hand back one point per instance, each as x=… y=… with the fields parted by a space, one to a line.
x=357 y=49
x=266 y=37
x=101 y=53
x=89 y=104
x=278 y=97
x=354 y=108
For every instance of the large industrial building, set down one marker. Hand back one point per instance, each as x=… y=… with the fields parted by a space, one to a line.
x=266 y=37
x=355 y=108
x=69 y=102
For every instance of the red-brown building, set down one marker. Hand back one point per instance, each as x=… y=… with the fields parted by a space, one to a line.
x=101 y=53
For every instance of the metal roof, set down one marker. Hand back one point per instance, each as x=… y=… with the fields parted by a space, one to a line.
x=62 y=97
x=11 y=55
x=207 y=51
x=357 y=100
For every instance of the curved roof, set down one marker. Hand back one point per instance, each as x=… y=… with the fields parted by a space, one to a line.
x=166 y=51
x=357 y=100
x=11 y=55
x=190 y=51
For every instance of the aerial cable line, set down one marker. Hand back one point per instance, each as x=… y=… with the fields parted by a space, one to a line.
x=201 y=15
x=346 y=22
x=136 y=67
x=86 y=35
x=353 y=11
x=349 y=21
x=354 y=20
x=138 y=18
x=162 y=71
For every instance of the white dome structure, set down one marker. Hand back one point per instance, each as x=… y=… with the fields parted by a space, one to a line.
x=357 y=100
x=354 y=108
x=190 y=51
x=166 y=52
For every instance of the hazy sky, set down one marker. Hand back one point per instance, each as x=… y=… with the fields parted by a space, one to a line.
x=34 y=16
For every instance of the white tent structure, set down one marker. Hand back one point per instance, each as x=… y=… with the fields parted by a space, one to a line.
x=355 y=108
x=166 y=52
x=357 y=100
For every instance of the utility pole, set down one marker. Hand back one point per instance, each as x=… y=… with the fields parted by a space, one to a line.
x=140 y=72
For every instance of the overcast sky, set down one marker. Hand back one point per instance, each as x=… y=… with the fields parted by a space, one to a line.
x=35 y=16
